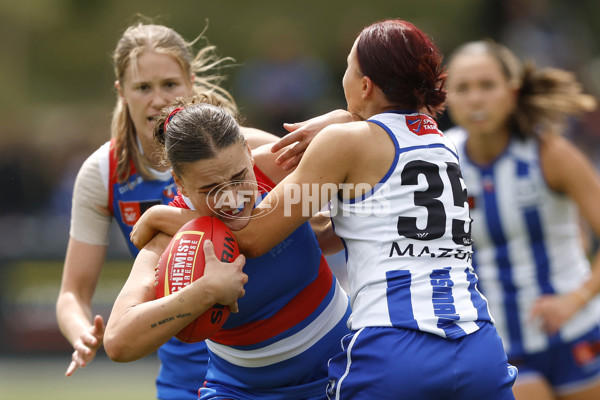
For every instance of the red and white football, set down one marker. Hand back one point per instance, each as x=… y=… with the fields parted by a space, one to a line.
x=183 y=262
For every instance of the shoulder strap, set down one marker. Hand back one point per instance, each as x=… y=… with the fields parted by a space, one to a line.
x=262 y=178
x=113 y=159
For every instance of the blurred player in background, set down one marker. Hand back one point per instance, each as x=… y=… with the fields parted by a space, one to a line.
x=294 y=313
x=527 y=188
x=153 y=66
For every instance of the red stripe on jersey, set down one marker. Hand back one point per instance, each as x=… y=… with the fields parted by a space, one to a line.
x=179 y=202
x=112 y=173
x=293 y=313
x=262 y=178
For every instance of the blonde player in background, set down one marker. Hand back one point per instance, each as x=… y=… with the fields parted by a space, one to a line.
x=153 y=66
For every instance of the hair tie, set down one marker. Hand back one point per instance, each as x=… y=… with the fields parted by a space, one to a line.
x=175 y=111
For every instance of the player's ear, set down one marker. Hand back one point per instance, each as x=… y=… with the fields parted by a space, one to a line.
x=179 y=183
x=514 y=92
x=249 y=150
x=120 y=91
x=367 y=86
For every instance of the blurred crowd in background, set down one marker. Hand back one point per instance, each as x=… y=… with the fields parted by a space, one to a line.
x=57 y=82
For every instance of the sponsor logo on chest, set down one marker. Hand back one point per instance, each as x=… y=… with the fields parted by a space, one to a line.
x=131 y=211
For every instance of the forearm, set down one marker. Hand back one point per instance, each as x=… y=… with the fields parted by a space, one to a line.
x=337 y=116
x=143 y=328
x=82 y=268
x=301 y=195
x=273 y=226
x=591 y=287
x=169 y=220
x=73 y=316
x=157 y=219
x=139 y=322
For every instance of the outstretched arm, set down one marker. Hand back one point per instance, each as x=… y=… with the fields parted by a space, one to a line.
x=85 y=256
x=168 y=220
x=83 y=263
x=333 y=153
x=301 y=194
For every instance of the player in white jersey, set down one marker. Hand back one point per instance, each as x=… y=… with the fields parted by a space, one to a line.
x=525 y=185
x=421 y=329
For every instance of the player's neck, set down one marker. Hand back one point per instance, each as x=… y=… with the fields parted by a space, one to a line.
x=486 y=147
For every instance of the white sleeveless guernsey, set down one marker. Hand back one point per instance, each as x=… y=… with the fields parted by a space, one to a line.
x=408 y=241
x=527 y=244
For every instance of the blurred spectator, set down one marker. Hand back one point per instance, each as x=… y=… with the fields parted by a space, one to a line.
x=284 y=83
x=542 y=31
x=24 y=187
x=553 y=34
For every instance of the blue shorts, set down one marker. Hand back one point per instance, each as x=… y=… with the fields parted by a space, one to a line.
x=392 y=363
x=568 y=367
x=215 y=391
x=182 y=370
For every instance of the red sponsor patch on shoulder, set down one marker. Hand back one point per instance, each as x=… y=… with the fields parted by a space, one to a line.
x=422 y=125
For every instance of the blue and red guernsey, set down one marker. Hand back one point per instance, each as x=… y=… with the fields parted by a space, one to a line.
x=127 y=201
x=291 y=319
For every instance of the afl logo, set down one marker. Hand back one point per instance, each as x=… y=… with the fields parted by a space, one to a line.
x=231 y=199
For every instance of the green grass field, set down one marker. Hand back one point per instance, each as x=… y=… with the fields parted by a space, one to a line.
x=28 y=378
x=28 y=320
